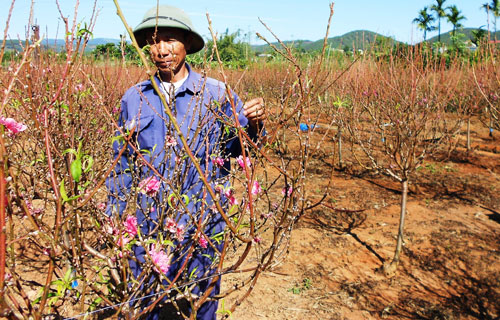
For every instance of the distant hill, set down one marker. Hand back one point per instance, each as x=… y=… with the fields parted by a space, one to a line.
x=58 y=44
x=359 y=39
x=446 y=37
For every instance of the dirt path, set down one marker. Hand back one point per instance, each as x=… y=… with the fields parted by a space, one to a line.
x=450 y=267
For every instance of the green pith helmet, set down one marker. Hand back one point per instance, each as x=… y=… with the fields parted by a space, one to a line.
x=167 y=17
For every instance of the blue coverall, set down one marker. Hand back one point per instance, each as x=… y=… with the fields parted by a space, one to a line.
x=201 y=108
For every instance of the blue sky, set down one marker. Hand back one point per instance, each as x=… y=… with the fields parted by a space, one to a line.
x=289 y=20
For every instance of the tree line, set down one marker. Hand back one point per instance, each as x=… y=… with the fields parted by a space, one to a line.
x=428 y=16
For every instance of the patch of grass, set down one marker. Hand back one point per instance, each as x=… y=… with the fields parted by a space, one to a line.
x=299 y=288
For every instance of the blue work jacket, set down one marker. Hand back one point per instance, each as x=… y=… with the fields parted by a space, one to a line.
x=204 y=113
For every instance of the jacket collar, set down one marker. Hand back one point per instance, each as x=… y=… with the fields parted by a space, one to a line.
x=193 y=83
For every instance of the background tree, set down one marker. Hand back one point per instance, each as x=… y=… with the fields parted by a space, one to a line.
x=478 y=36
x=493 y=7
x=108 y=50
x=455 y=17
x=439 y=9
x=424 y=21
x=232 y=50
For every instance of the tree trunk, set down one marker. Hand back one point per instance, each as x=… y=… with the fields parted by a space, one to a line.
x=390 y=268
x=468 y=134
x=439 y=30
x=339 y=140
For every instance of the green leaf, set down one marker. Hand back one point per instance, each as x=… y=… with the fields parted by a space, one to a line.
x=88 y=161
x=76 y=169
x=218 y=237
x=72 y=151
x=168 y=243
x=193 y=273
x=62 y=191
x=233 y=209
x=119 y=138
x=169 y=199
x=65 y=107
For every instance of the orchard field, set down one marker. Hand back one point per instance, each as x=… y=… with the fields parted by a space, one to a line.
x=373 y=195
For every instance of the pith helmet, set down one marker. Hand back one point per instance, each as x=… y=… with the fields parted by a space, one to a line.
x=167 y=17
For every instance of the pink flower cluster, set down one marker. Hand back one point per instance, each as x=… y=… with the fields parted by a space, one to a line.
x=202 y=241
x=13 y=127
x=173 y=227
x=242 y=161
x=101 y=206
x=256 y=189
x=149 y=186
x=218 y=161
x=160 y=259
x=131 y=225
x=170 y=141
x=229 y=193
x=31 y=209
x=286 y=191
x=127 y=235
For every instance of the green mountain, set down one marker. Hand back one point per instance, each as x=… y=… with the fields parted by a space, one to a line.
x=58 y=44
x=354 y=40
x=446 y=37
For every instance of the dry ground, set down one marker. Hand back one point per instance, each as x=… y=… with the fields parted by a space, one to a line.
x=450 y=267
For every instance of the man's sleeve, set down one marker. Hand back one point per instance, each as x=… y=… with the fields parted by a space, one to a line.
x=233 y=145
x=119 y=181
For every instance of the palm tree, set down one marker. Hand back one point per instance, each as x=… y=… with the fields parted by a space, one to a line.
x=454 y=17
x=439 y=9
x=493 y=7
x=478 y=36
x=424 y=21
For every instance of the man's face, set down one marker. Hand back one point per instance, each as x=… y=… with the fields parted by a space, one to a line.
x=168 y=51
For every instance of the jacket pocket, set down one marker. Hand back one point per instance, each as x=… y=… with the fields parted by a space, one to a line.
x=143 y=132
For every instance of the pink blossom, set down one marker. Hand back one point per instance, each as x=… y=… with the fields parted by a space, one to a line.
x=275 y=206
x=171 y=225
x=257 y=239
x=109 y=227
x=266 y=215
x=287 y=192
x=170 y=141
x=219 y=162
x=179 y=233
x=101 y=206
x=202 y=241
x=256 y=189
x=244 y=161
x=13 y=127
x=122 y=241
x=232 y=200
x=79 y=87
x=160 y=259
x=131 y=225
x=149 y=186
x=29 y=206
x=228 y=192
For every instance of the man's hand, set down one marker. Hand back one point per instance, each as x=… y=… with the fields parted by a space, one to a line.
x=255 y=112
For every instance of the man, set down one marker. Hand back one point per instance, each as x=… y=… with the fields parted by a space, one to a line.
x=174 y=209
